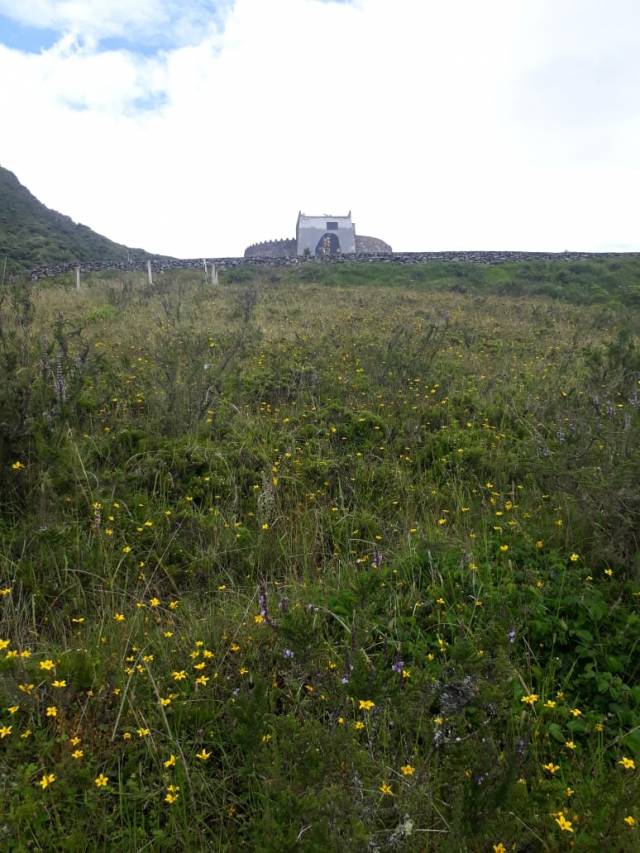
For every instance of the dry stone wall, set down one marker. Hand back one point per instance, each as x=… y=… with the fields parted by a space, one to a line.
x=288 y=248
x=491 y=258
x=271 y=249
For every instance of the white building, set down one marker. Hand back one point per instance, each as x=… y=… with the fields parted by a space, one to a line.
x=325 y=235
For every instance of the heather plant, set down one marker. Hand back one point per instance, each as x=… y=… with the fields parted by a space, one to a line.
x=329 y=559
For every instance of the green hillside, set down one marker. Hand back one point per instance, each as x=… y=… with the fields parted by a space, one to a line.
x=32 y=235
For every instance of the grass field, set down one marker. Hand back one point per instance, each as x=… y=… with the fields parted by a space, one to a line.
x=339 y=559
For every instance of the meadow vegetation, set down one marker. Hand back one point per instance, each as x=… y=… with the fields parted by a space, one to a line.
x=344 y=558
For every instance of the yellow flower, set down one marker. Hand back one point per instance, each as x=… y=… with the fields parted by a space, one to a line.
x=499 y=848
x=143 y=732
x=202 y=680
x=165 y=701
x=119 y=617
x=563 y=823
x=77 y=754
x=630 y=820
x=259 y=619
x=46 y=664
x=59 y=683
x=574 y=558
x=504 y=548
x=17 y=466
x=576 y=712
x=52 y=711
x=4 y=591
x=552 y=768
x=101 y=781
x=126 y=549
x=179 y=675
x=170 y=762
x=366 y=704
x=386 y=789
x=407 y=770
x=171 y=798
x=358 y=725
x=627 y=763
x=234 y=647
x=47 y=779
x=26 y=733
x=530 y=699
x=568 y=792
x=154 y=602
x=570 y=744
x=550 y=703
x=13 y=709
x=173 y=605
x=5 y=731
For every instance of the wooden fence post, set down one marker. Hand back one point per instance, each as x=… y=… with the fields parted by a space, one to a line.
x=150 y=273
x=78 y=277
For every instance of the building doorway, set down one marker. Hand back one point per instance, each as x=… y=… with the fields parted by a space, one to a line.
x=328 y=244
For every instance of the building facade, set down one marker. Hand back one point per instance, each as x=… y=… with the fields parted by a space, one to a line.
x=325 y=235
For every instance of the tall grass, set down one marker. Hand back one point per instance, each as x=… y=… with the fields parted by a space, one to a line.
x=304 y=564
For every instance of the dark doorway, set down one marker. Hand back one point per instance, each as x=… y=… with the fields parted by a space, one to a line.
x=328 y=244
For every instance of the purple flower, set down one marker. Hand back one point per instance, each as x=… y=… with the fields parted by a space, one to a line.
x=511 y=636
x=398 y=666
x=262 y=602
x=287 y=654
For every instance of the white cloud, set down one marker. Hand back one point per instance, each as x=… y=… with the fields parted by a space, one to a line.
x=164 y=20
x=457 y=125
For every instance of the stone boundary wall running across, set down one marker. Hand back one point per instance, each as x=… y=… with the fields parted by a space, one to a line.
x=491 y=258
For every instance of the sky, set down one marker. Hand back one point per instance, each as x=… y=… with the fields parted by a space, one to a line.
x=195 y=128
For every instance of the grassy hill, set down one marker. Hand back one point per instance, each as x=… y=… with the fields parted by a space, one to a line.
x=32 y=235
x=291 y=564
x=601 y=279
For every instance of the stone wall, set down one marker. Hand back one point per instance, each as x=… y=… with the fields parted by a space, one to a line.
x=491 y=258
x=372 y=246
x=271 y=249
x=287 y=248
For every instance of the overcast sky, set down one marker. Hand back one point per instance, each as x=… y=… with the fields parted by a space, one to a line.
x=194 y=128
